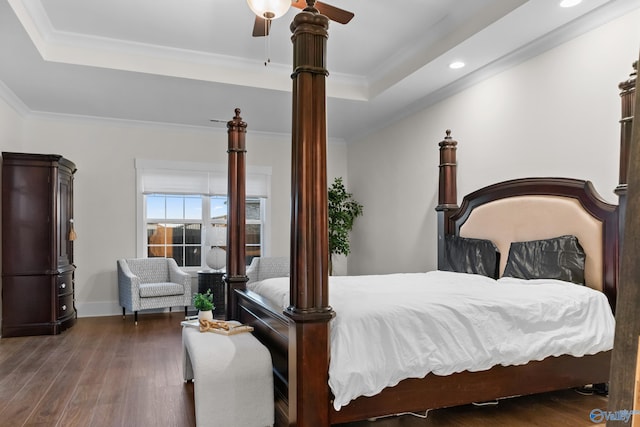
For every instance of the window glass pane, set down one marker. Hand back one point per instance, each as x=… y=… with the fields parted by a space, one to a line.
x=175 y=207
x=251 y=252
x=193 y=207
x=219 y=207
x=193 y=234
x=252 y=209
x=175 y=234
x=176 y=252
x=192 y=256
x=156 y=234
x=155 y=206
x=155 y=251
x=216 y=235
x=253 y=234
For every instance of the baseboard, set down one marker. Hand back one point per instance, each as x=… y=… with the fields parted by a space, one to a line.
x=109 y=308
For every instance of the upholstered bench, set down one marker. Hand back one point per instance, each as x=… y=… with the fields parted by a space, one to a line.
x=233 y=378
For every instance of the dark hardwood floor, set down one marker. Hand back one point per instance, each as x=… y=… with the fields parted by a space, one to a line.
x=105 y=371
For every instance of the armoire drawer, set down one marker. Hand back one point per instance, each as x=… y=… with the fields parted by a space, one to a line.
x=65 y=306
x=64 y=283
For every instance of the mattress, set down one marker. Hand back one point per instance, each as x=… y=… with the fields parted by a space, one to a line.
x=396 y=326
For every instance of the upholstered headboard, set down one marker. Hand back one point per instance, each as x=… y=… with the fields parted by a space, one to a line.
x=542 y=208
x=524 y=218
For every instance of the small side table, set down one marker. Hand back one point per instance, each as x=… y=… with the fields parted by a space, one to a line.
x=210 y=279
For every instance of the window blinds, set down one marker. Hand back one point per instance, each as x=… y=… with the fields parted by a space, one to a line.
x=158 y=176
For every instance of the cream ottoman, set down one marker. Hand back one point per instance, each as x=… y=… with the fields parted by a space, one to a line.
x=233 y=378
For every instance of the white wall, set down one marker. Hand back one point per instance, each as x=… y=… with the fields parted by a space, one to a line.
x=104 y=191
x=10 y=128
x=554 y=115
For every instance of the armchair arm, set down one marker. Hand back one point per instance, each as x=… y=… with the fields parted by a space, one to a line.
x=176 y=275
x=128 y=286
x=252 y=270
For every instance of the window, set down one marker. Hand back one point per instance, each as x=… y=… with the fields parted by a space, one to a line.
x=183 y=211
x=176 y=227
x=216 y=229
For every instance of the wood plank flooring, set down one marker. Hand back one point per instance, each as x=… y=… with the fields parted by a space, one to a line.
x=105 y=371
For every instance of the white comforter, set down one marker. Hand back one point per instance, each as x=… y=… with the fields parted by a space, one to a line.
x=391 y=327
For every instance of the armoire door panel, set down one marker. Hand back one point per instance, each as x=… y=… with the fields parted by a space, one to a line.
x=26 y=216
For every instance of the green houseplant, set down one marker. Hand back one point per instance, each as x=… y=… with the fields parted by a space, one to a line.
x=204 y=303
x=343 y=210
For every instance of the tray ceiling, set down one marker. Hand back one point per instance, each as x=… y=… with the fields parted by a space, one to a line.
x=184 y=62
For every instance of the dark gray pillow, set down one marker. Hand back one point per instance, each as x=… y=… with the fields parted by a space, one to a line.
x=475 y=256
x=559 y=258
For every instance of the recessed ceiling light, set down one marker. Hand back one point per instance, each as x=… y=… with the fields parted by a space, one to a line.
x=456 y=65
x=570 y=3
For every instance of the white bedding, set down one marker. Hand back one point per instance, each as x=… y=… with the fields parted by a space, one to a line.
x=391 y=327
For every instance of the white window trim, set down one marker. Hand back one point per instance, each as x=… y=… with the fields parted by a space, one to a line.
x=258 y=177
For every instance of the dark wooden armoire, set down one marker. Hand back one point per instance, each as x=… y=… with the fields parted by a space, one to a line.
x=37 y=244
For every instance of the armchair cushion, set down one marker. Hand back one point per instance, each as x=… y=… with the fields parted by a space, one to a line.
x=161 y=289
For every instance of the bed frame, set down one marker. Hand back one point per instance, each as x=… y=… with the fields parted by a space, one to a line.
x=298 y=337
x=576 y=199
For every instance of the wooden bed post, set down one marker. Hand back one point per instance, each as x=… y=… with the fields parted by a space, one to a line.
x=447 y=191
x=625 y=347
x=235 y=277
x=309 y=310
x=627 y=96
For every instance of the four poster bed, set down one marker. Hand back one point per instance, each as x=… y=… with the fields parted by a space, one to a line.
x=298 y=324
x=513 y=211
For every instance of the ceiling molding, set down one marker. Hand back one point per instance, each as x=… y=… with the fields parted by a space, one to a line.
x=89 y=50
x=13 y=101
x=192 y=61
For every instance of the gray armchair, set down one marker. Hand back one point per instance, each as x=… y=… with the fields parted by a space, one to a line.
x=262 y=268
x=146 y=283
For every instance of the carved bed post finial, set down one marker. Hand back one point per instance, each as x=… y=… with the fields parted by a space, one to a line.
x=447 y=188
x=447 y=191
x=235 y=277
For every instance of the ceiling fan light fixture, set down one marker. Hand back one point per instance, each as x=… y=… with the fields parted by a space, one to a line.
x=269 y=9
x=570 y=3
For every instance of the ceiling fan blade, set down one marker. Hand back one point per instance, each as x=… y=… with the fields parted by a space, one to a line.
x=261 y=27
x=334 y=13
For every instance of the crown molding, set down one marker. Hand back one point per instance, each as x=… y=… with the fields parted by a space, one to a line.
x=82 y=49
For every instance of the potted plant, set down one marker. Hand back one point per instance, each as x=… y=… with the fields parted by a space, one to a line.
x=343 y=210
x=204 y=303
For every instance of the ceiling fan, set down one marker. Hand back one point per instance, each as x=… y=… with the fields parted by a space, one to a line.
x=267 y=11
